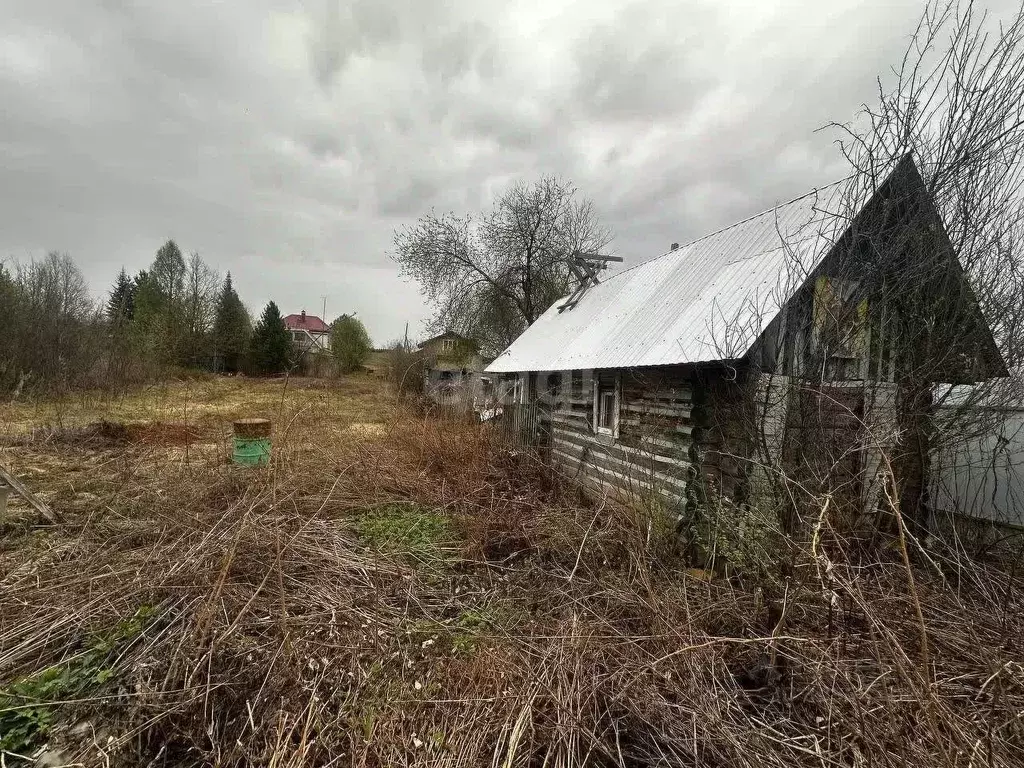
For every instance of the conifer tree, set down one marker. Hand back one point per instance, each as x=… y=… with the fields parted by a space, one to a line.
x=271 y=346
x=121 y=306
x=231 y=328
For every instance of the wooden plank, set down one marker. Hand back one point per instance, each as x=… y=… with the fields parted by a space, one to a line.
x=678 y=470
x=658 y=410
x=33 y=501
x=574 y=419
x=681 y=445
x=614 y=479
x=645 y=447
x=678 y=429
x=659 y=397
x=623 y=481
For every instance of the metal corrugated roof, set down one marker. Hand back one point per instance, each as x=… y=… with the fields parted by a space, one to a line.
x=707 y=300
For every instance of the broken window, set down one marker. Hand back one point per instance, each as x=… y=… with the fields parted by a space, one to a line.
x=840 y=328
x=606 y=406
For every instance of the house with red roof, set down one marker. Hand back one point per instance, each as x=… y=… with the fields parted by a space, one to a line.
x=310 y=334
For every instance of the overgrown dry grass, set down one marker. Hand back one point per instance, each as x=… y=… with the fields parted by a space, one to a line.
x=410 y=594
x=204 y=401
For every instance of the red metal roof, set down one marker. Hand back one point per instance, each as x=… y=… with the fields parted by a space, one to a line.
x=304 y=322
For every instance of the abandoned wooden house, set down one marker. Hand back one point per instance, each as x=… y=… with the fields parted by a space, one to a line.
x=451 y=370
x=786 y=345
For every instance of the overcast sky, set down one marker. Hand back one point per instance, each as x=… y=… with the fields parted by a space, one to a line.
x=285 y=141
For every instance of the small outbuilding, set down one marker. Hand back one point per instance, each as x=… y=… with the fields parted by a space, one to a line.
x=788 y=345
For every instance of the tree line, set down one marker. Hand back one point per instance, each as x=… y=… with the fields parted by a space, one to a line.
x=176 y=314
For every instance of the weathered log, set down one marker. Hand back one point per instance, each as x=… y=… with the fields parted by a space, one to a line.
x=6 y=478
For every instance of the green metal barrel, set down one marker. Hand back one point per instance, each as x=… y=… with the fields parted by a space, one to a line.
x=251 y=450
x=251 y=442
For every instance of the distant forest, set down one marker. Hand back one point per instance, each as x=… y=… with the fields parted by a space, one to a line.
x=179 y=314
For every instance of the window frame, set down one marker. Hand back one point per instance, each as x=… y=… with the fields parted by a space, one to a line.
x=615 y=389
x=576 y=384
x=515 y=392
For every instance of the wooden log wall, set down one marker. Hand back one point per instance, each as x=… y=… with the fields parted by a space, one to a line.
x=725 y=420
x=652 y=453
x=824 y=442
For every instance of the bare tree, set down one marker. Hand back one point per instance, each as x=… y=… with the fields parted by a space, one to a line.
x=202 y=285
x=49 y=324
x=955 y=103
x=489 y=279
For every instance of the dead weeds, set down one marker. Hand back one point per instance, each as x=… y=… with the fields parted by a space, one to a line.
x=420 y=597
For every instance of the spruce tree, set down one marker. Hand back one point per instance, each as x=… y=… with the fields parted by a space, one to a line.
x=161 y=300
x=231 y=328
x=121 y=306
x=271 y=346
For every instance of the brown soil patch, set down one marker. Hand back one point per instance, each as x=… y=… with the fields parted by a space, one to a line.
x=161 y=433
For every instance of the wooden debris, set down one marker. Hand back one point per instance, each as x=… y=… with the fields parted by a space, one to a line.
x=6 y=478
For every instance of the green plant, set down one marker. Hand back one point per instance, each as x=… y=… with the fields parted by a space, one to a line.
x=28 y=705
x=232 y=328
x=463 y=634
x=270 y=346
x=350 y=343
x=738 y=538
x=466 y=631
x=416 y=532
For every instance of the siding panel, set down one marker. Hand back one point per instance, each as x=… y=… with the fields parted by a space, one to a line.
x=651 y=453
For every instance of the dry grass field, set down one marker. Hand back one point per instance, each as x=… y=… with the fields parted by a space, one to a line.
x=397 y=589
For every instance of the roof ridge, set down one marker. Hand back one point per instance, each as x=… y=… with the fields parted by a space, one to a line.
x=720 y=230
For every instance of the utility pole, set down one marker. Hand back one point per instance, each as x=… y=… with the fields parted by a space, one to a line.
x=323 y=315
x=406 y=342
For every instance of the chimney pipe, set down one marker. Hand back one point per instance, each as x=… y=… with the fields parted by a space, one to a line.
x=303 y=316
x=675 y=246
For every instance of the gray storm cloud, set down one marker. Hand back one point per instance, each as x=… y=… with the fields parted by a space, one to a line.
x=285 y=142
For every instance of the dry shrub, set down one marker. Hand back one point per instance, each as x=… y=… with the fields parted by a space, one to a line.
x=280 y=630
x=405 y=370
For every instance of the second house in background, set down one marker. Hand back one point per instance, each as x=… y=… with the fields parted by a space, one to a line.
x=310 y=334
x=451 y=370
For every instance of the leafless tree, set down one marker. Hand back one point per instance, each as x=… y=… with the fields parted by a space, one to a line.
x=490 y=278
x=202 y=284
x=49 y=325
x=955 y=103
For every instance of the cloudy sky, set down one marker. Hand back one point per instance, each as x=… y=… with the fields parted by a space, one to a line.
x=285 y=140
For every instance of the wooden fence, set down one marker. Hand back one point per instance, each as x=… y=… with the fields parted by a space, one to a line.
x=523 y=425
